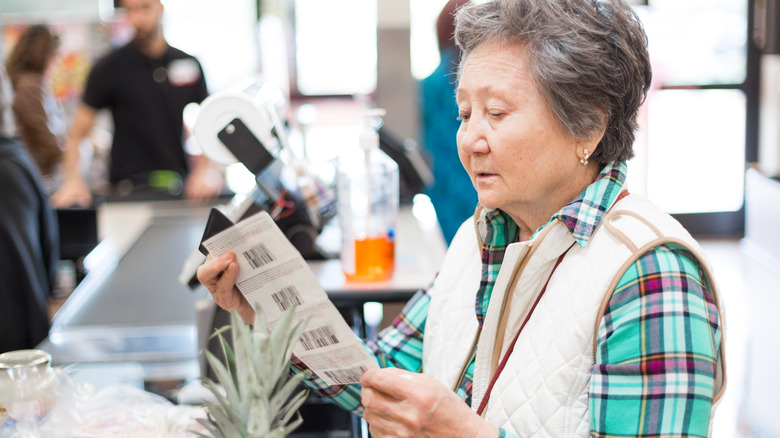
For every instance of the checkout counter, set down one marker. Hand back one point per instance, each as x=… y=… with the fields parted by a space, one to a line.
x=134 y=319
x=131 y=321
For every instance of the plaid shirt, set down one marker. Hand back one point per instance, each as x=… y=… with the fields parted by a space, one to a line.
x=657 y=343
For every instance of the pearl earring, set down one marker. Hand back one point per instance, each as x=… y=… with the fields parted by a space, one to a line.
x=584 y=159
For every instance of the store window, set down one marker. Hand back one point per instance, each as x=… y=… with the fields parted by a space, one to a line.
x=692 y=148
x=335 y=47
x=424 y=47
x=222 y=35
x=696 y=150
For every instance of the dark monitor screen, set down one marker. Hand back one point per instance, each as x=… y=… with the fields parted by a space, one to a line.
x=78 y=231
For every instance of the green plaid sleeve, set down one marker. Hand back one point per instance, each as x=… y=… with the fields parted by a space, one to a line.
x=657 y=348
x=398 y=346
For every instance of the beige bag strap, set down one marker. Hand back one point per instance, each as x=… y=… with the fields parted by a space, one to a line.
x=637 y=252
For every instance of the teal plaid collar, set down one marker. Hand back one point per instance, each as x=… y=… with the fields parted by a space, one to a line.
x=584 y=214
x=581 y=216
x=500 y=231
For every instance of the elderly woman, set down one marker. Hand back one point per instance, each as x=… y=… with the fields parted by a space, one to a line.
x=566 y=307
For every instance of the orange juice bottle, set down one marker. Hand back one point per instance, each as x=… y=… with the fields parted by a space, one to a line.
x=368 y=207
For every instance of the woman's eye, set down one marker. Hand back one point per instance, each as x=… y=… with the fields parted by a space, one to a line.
x=497 y=115
x=463 y=117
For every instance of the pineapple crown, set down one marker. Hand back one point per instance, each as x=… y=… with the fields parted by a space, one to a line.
x=257 y=397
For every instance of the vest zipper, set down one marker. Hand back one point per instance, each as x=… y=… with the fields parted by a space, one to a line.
x=516 y=270
x=476 y=231
x=469 y=358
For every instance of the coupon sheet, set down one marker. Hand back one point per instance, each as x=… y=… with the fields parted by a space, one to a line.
x=274 y=275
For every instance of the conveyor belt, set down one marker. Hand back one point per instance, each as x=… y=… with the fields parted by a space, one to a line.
x=135 y=310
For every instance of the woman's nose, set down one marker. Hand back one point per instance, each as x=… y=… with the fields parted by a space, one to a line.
x=472 y=138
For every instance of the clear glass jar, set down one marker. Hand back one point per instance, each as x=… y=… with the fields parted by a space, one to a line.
x=28 y=384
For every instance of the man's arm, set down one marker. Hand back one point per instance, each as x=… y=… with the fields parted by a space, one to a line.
x=75 y=190
x=205 y=180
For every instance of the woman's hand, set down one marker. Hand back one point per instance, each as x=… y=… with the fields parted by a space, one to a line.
x=219 y=275
x=400 y=403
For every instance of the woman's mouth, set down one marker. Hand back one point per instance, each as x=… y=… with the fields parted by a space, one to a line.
x=484 y=177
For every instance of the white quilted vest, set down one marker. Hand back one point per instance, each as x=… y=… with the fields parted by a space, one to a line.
x=543 y=390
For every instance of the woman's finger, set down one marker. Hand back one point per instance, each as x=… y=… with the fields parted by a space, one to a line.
x=392 y=382
x=210 y=272
x=219 y=275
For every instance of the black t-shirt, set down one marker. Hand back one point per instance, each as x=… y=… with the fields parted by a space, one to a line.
x=146 y=98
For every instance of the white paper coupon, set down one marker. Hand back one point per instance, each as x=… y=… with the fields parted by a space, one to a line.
x=274 y=275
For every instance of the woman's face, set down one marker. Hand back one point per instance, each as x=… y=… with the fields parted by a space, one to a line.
x=513 y=149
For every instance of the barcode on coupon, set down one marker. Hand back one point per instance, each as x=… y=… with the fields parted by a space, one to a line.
x=287 y=297
x=318 y=338
x=345 y=376
x=258 y=256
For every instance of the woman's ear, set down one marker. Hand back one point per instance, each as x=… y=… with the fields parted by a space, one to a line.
x=593 y=143
x=585 y=148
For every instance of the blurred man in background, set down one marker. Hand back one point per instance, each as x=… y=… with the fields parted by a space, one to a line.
x=146 y=84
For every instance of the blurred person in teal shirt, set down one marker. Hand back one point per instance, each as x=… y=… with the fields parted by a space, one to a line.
x=452 y=193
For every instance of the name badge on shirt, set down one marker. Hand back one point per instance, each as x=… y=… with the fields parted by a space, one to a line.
x=183 y=72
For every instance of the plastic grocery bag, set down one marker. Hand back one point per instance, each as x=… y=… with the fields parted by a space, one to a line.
x=115 y=411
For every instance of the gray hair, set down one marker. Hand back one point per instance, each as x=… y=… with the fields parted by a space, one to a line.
x=588 y=60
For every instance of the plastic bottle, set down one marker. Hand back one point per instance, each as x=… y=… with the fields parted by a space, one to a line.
x=368 y=207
